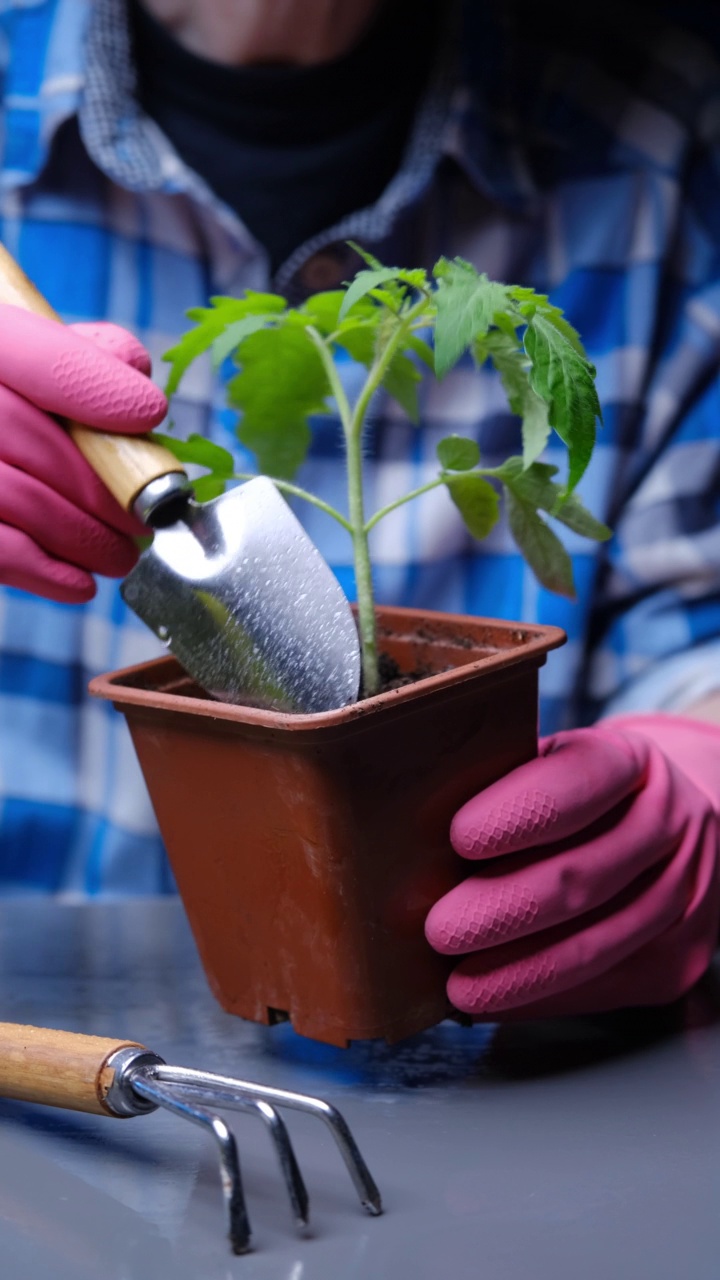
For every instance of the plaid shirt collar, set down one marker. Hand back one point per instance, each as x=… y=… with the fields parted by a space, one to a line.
x=83 y=67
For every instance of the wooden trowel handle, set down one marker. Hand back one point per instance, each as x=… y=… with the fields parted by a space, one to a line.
x=125 y=464
x=57 y=1068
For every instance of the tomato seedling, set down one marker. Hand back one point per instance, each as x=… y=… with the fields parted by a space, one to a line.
x=398 y=322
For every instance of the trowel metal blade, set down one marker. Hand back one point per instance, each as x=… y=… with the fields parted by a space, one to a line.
x=248 y=606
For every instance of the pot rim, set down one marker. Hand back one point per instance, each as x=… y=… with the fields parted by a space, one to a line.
x=527 y=641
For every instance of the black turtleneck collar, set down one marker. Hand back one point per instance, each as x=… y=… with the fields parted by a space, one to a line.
x=292 y=149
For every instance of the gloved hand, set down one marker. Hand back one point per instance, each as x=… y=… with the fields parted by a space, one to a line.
x=600 y=879
x=59 y=525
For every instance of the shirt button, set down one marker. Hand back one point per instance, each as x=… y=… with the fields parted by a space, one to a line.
x=325 y=270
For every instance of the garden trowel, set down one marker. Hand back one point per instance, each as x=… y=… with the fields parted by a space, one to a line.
x=234 y=587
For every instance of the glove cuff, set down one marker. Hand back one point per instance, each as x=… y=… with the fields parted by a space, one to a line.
x=692 y=745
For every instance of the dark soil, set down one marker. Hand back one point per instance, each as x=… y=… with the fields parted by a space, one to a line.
x=391 y=677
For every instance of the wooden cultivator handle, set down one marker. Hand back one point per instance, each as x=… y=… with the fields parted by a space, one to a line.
x=58 y=1068
x=125 y=464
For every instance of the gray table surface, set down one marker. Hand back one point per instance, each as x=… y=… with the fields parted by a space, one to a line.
x=583 y=1149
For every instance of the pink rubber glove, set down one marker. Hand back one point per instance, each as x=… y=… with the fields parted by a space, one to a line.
x=600 y=879
x=59 y=525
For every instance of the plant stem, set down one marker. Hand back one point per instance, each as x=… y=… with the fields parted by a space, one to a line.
x=356 y=522
x=399 y=502
x=363 y=570
x=356 y=507
x=331 y=372
x=285 y=487
x=353 y=422
x=381 y=365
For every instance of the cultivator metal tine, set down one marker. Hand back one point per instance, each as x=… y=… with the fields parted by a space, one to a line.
x=238 y=1221
x=227 y=1092
x=273 y=1121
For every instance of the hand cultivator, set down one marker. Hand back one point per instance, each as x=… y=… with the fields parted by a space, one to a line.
x=122 y=1079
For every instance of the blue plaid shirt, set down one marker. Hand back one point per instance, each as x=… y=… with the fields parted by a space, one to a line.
x=541 y=165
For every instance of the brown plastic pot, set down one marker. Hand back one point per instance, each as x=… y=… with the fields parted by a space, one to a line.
x=308 y=849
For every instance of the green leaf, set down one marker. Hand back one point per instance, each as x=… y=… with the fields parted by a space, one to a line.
x=543 y=551
x=577 y=517
x=207 y=487
x=458 y=453
x=192 y=344
x=367 y=281
x=508 y=322
x=566 y=382
x=476 y=500
x=535 y=426
x=511 y=362
x=423 y=350
x=361 y=339
x=401 y=382
x=210 y=323
x=555 y=317
x=236 y=333
x=282 y=383
x=202 y=452
x=536 y=486
x=531 y=302
x=466 y=304
x=368 y=258
x=362 y=284
x=323 y=310
x=252 y=303
x=533 y=484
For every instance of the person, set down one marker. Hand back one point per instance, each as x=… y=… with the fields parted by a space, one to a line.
x=157 y=152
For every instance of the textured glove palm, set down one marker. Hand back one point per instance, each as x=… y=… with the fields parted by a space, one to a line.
x=600 y=884
x=59 y=525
